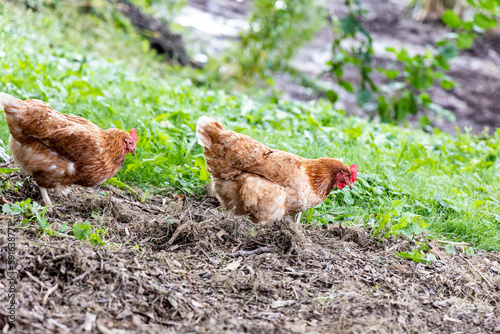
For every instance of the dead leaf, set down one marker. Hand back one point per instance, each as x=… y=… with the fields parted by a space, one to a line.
x=233 y=265
x=283 y=303
x=220 y=234
x=89 y=321
x=196 y=304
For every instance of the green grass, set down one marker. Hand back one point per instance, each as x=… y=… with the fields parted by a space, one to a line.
x=408 y=179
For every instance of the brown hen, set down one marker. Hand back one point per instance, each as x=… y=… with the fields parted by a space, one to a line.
x=60 y=150
x=267 y=184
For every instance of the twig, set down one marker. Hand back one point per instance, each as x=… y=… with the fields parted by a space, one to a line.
x=178 y=231
x=185 y=199
x=102 y=329
x=10 y=177
x=139 y=205
x=77 y=278
x=480 y=274
x=43 y=285
x=256 y=251
x=5 y=201
x=49 y=291
x=454 y=242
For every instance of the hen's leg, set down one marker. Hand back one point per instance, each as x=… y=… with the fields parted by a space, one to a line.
x=299 y=217
x=45 y=196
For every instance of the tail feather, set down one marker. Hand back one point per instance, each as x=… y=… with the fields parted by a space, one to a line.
x=206 y=129
x=10 y=104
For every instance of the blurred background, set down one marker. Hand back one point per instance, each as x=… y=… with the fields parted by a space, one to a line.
x=426 y=62
x=421 y=63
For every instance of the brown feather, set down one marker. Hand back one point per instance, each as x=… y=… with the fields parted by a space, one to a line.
x=59 y=150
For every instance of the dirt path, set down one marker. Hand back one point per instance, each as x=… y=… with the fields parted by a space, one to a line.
x=212 y=25
x=175 y=264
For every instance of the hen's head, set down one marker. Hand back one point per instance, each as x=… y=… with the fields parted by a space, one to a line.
x=326 y=173
x=347 y=177
x=131 y=142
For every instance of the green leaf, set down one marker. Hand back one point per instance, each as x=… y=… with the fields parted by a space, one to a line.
x=200 y=162
x=363 y=96
x=398 y=206
x=6 y=208
x=332 y=96
x=96 y=240
x=484 y=22
x=439 y=199
x=424 y=121
x=82 y=231
x=382 y=223
x=416 y=256
x=42 y=221
x=450 y=249
x=448 y=51
x=349 y=24
x=390 y=74
x=8 y=170
x=115 y=182
x=465 y=40
x=447 y=84
x=478 y=203
x=346 y=85
x=451 y=19
x=348 y=198
x=430 y=257
x=16 y=209
x=64 y=228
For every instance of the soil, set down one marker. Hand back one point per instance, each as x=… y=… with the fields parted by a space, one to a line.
x=180 y=264
x=212 y=25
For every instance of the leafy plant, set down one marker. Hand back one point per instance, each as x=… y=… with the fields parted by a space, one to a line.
x=277 y=29
x=395 y=221
x=115 y=182
x=409 y=77
x=359 y=52
x=418 y=256
x=32 y=211
x=87 y=231
x=485 y=17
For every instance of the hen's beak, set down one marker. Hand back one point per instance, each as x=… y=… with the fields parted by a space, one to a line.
x=349 y=184
x=133 y=152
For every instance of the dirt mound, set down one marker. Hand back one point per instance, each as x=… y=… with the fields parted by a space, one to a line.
x=181 y=264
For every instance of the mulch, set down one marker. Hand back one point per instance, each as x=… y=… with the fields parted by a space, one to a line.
x=182 y=264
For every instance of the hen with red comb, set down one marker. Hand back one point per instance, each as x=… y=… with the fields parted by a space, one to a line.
x=60 y=150
x=265 y=183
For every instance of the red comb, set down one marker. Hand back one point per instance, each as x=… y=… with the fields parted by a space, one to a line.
x=133 y=134
x=354 y=172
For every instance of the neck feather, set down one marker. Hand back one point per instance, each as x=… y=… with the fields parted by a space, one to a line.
x=322 y=175
x=116 y=140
